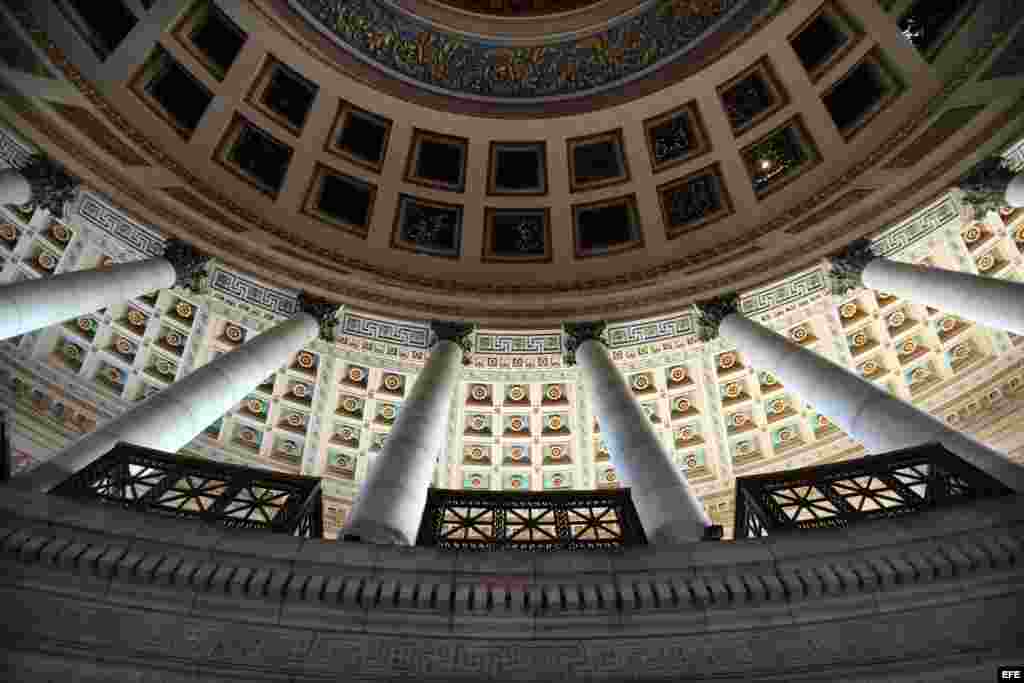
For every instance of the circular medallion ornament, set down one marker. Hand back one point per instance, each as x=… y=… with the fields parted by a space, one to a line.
x=356 y=374
x=60 y=233
x=641 y=382
x=479 y=392
x=961 y=351
x=477 y=423
x=554 y=393
x=786 y=434
x=896 y=319
x=768 y=379
x=46 y=260
x=972 y=234
x=476 y=481
x=686 y=433
x=515 y=482
x=777 y=406
x=848 y=310
x=859 y=339
x=732 y=390
x=554 y=423
x=516 y=393
x=347 y=433
x=173 y=339
x=392 y=382
x=114 y=375
x=136 y=318
x=1018 y=234
x=798 y=334
x=986 y=262
x=682 y=404
x=727 y=360
x=678 y=374
x=183 y=309
x=947 y=324
x=556 y=480
x=908 y=347
x=953 y=418
x=869 y=368
x=822 y=421
x=296 y=420
x=476 y=453
x=256 y=406
x=233 y=333
x=556 y=452
x=249 y=435
x=165 y=367
x=124 y=346
x=8 y=233
x=86 y=324
x=919 y=374
x=299 y=390
x=517 y=424
x=744 y=447
x=305 y=360
x=739 y=419
x=609 y=475
x=106 y=262
x=517 y=453
x=691 y=461
x=349 y=404
x=387 y=412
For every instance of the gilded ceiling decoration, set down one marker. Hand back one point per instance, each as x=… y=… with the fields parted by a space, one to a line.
x=519 y=8
x=460 y=64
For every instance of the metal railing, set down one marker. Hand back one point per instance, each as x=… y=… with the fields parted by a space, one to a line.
x=531 y=521
x=834 y=496
x=173 y=485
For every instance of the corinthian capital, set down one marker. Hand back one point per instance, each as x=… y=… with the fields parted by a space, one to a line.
x=52 y=186
x=848 y=265
x=575 y=334
x=711 y=313
x=325 y=312
x=188 y=262
x=454 y=331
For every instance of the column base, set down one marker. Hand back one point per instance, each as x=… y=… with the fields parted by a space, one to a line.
x=377 y=534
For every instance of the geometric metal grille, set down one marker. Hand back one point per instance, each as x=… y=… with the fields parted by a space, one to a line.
x=832 y=496
x=173 y=485
x=531 y=521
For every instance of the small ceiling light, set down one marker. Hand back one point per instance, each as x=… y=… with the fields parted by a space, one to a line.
x=765 y=164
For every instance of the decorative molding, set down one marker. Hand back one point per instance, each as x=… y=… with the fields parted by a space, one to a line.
x=404 y=334
x=245 y=289
x=98 y=213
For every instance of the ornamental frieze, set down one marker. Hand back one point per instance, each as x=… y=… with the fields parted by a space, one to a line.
x=379 y=33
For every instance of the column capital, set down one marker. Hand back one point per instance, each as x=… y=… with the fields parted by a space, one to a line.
x=984 y=185
x=454 y=331
x=711 y=313
x=325 y=312
x=848 y=264
x=188 y=262
x=52 y=186
x=576 y=333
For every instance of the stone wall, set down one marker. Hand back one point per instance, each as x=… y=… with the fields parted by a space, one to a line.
x=94 y=594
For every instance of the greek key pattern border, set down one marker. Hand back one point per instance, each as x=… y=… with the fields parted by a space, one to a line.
x=97 y=213
x=917 y=227
x=13 y=152
x=406 y=334
x=512 y=343
x=245 y=289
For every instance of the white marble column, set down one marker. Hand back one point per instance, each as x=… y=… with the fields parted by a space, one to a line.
x=14 y=188
x=392 y=497
x=1015 y=191
x=32 y=304
x=992 y=302
x=171 y=419
x=867 y=413
x=667 y=507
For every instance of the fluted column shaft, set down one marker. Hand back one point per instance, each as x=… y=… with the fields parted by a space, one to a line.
x=171 y=419
x=1015 y=191
x=394 y=493
x=667 y=507
x=864 y=411
x=33 y=304
x=995 y=303
x=14 y=188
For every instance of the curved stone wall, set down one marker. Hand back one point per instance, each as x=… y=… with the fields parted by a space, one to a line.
x=104 y=594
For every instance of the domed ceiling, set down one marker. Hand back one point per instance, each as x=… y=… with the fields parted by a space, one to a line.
x=612 y=161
